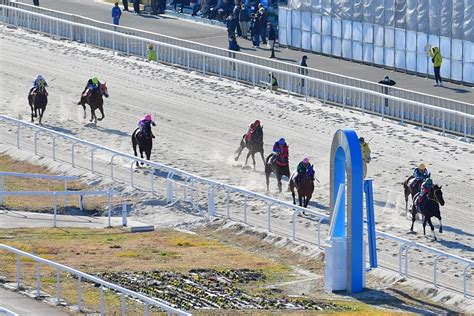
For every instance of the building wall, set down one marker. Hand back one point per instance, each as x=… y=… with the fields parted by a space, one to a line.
x=391 y=33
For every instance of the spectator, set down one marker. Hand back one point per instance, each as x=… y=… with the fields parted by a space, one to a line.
x=231 y=23
x=199 y=8
x=233 y=45
x=436 y=59
x=388 y=82
x=151 y=53
x=116 y=14
x=36 y=3
x=125 y=5
x=154 y=7
x=303 y=69
x=161 y=6
x=136 y=6
x=262 y=21
x=271 y=39
x=244 y=18
x=255 y=31
x=236 y=12
x=273 y=81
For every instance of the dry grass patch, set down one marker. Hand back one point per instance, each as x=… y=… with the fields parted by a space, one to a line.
x=41 y=203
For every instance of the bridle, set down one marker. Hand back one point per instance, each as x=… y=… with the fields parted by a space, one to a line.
x=435 y=199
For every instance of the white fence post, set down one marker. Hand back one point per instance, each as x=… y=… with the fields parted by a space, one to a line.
x=124 y=215
x=55 y=197
x=2 y=188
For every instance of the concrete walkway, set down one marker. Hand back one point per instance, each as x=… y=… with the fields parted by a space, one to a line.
x=217 y=36
x=23 y=305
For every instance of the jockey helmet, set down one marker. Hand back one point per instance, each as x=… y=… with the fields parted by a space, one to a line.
x=256 y=123
x=39 y=77
x=421 y=166
x=306 y=161
x=150 y=46
x=148 y=117
x=95 y=80
x=361 y=140
x=282 y=141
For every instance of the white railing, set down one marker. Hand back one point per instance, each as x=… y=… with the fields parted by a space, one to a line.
x=193 y=184
x=7 y=312
x=55 y=194
x=124 y=293
x=399 y=109
x=275 y=64
x=4 y=174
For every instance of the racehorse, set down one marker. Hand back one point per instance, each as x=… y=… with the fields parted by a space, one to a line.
x=143 y=140
x=254 y=145
x=95 y=101
x=411 y=189
x=305 y=187
x=429 y=208
x=38 y=102
x=279 y=167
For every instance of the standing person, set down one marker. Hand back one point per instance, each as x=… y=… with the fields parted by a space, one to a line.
x=233 y=45
x=387 y=82
x=116 y=14
x=436 y=59
x=161 y=6
x=366 y=158
x=136 y=6
x=262 y=21
x=303 y=69
x=236 y=13
x=154 y=7
x=125 y=5
x=151 y=53
x=231 y=23
x=244 y=18
x=271 y=38
x=255 y=31
x=36 y=3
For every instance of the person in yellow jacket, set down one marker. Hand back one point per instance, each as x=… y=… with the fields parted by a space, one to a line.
x=364 y=147
x=437 y=60
x=151 y=54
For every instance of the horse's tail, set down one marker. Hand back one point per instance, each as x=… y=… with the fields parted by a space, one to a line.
x=135 y=141
x=268 y=166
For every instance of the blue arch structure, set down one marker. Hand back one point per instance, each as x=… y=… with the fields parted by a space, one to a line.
x=346 y=159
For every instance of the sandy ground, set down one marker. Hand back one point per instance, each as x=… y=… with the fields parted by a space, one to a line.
x=200 y=121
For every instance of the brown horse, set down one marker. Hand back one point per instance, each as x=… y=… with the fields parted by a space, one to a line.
x=305 y=186
x=38 y=102
x=95 y=101
x=411 y=187
x=254 y=145
x=280 y=168
x=429 y=208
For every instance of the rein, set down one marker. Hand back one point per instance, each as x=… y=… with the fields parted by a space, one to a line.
x=435 y=199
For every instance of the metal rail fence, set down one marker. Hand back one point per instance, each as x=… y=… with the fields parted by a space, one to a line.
x=81 y=276
x=214 y=198
x=398 y=104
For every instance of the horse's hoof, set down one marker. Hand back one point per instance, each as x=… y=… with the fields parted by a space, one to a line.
x=236 y=158
x=440 y=230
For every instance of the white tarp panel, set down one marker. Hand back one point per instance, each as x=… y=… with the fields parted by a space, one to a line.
x=389 y=57
x=421 y=41
x=468 y=51
x=282 y=32
x=445 y=47
x=468 y=72
x=456 y=70
x=378 y=35
x=346 y=29
x=411 y=41
x=336 y=28
x=446 y=68
x=296 y=19
x=389 y=37
x=368 y=33
x=411 y=61
x=306 y=40
x=456 y=50
x=316 y=43
x=296 y=38
x=326 y=44
x=336 y=47
x=326 y=25
x=400 y=59
x=357 y=50
x=306 y=21
x=421 y=63
x=357 y=31
x=282 y=12
x=378 y=55
x=400 y=39
x=346 y=49
x=317 y=24
x=368 y=53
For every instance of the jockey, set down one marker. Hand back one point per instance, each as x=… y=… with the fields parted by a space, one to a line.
x=420 y=174
x=280 y=148
x=364 y=147
x=250 y=131
x=301 y=169
x=39 y=81
x=144 y=121
x=92 y=84
x=425 y=189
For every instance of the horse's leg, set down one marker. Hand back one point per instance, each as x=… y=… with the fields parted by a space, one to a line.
x=41 y=112
x=263 y=158
x=413 y=217
x=247 y=158
x=101 y=109
x=267 y=177
x=440 y=225
x=239 y=150
x=432 y=228
x=307 y=200
x=279 y=182
x=300 y=198
x=253 y=160
x=84 y=107
x=424 y=225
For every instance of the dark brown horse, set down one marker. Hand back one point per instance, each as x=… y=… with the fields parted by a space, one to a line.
x=279 y=167
x=429 y=208
x=254 y=145
x=95 y=101
x=305 y=187
x=411 y=187
x=144 y=140
x=38 y=102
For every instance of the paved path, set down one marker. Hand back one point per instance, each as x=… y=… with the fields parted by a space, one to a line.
x=23 y=305
x=217 y=36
